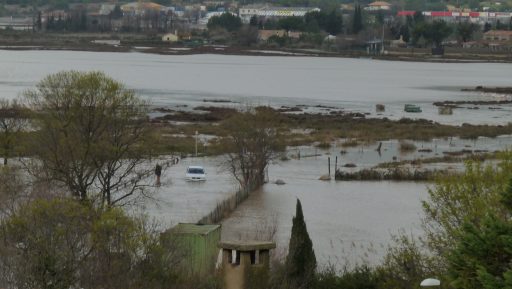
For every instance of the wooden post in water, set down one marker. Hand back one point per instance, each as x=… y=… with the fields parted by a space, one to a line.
x=336 y=165
x=329 y=164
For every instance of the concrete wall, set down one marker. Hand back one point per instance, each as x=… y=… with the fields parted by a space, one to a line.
x=245 y=275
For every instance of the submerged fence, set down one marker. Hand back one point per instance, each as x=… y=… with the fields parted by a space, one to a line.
x=226 y=207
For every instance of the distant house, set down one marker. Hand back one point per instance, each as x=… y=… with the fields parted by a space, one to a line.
x=170 y=37
x=470 y=44
x=22 y=23
x=100 y=18
x=264 y=35
x=398 y=42
x=294 y=34
x=498 y=35
x=378 y=6
x=330 y=38
x=141 y=8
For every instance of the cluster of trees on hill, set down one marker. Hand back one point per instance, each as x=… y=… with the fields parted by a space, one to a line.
x=313 y=23
x=316 y=21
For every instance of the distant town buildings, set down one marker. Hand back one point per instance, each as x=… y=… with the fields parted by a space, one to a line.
x=19 y=23
x=268 y=12
x=455 y=16
x=182 y=23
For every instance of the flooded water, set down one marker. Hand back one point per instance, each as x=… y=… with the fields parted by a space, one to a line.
x=350 y=84
x=178 y=200
x=348 y=222
x=367 y=155
x=343 y=218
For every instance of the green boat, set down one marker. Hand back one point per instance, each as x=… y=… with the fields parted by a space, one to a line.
x=412 y=108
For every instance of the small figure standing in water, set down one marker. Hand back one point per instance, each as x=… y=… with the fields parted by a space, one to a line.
x=158 y=173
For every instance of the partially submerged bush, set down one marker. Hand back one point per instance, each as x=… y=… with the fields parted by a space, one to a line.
x=406 y=147
x=350 y=143
x=324 y=145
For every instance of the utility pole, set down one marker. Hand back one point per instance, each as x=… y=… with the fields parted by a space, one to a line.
x=196 y=142
x=382 y=46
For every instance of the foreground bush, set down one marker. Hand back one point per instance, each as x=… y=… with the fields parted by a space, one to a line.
x=61 y=243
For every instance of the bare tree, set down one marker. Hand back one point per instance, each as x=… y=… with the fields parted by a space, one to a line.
x=13 y=120
x=91 y=133
x=253 y=140
x=13 y=190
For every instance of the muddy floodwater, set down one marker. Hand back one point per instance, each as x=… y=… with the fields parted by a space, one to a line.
x=178 y=200
x=348 y=222
x=345 y=219
x=349 y=84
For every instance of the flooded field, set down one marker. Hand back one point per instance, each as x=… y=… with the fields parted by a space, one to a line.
x=344 y=218
x=347 y=220
x=367 y=155
x=349 y=84
x=178 y=200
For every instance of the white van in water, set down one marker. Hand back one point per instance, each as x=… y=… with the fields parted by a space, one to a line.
x=195 y=173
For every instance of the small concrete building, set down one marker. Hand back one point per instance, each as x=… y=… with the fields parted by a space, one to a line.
x=245 y=264
x=398 y=42
x=198 y=245
x=170 y=37
x=374 y=47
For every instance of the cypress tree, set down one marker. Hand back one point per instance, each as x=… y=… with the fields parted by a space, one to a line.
x=301 y=260
x=357 y=20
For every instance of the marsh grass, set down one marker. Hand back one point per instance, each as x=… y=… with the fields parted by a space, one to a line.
x=406 y=147
x=323 y=129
